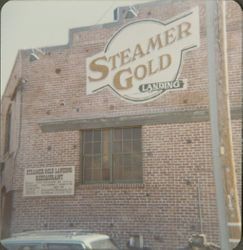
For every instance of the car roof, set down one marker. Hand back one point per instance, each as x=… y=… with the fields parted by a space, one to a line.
x=55 y=236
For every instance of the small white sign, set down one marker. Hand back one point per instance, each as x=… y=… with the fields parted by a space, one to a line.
x=143 y=59
x=49 y=181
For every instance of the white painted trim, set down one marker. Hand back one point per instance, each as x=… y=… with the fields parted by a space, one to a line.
x=234 y=224
x=234 y=240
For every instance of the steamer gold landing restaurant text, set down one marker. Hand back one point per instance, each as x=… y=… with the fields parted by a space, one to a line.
x=143 y=58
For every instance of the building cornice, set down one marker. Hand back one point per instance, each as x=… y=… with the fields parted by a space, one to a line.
x=169 y=117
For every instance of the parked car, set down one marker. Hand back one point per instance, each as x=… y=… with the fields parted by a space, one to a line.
x=58 y=240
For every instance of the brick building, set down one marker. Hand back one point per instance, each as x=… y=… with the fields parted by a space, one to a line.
x=139 y=168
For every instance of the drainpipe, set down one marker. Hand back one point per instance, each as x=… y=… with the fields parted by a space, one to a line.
x=20 y=87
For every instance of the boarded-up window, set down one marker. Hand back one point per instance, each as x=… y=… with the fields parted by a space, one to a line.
x=6 y=208
x=112 y=155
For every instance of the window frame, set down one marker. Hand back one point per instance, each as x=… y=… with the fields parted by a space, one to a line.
x=111 y=180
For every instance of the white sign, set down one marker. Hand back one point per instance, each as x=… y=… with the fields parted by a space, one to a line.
x=49 y=181
x=143 y=59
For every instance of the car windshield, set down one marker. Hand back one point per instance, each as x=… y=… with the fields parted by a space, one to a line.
x=22 y=247
x=64 y=247
x=53 y=246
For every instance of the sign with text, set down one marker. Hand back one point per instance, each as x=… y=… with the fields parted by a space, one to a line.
x=49 y=181
x=143 y=59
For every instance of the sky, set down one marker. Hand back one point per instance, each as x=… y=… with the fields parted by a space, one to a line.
x=27 y=24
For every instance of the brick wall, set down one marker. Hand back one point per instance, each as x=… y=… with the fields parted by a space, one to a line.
x=164 y=208
x=177 y=196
